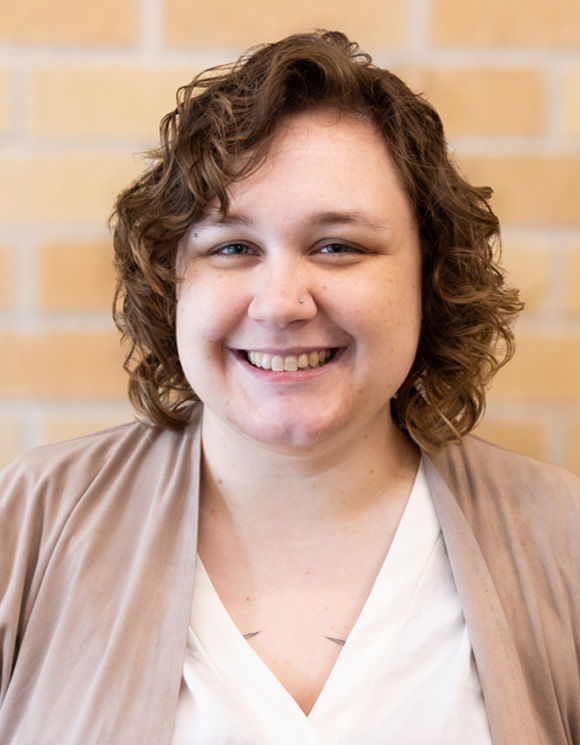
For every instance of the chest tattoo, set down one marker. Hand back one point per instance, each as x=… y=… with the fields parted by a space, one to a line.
x=340 y=642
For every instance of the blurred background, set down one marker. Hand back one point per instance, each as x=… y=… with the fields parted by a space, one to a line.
x=84 y=85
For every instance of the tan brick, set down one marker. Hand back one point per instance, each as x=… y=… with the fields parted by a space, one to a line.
x=67 y=426
x=572 y=274
x=7 y=277
x=527 y=438
x=103 y=100
x=475 y=100
x=497 y=22
x=570 y=113
x=64 y=186
x=544 y=369
x=372 y=23
x=539 y=190
x=63 y=365
x=76 y=276
x=5 y=100
x=69 y=22
x=527 y=266
x=572 y=461
x=11 y=444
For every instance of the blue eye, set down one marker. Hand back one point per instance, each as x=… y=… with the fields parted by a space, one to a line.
x=233 y=249
x=338 y=248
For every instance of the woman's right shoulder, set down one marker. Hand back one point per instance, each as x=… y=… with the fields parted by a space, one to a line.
x=85 y=487
x=88 y=452
x=55 y=477
x=44 y=484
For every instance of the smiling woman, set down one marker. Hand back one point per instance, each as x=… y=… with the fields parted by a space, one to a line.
x=346 y=244
x=299 y=541
x=223 y=129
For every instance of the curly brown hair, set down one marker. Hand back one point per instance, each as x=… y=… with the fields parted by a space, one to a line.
x=237 y=109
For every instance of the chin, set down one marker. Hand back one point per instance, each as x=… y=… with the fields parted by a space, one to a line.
x=291 y=434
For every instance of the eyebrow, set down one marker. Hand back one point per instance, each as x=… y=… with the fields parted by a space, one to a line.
x=351 y=217
x=224 y=221
x=320 y=219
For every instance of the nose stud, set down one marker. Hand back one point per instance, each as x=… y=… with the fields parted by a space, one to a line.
x=301 y=300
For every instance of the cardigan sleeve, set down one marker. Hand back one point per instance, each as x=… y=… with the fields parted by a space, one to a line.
x=97 y=556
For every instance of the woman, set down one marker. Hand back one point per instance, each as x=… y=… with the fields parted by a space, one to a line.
x=299 y=544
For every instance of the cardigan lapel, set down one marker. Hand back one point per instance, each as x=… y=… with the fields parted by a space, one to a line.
x=502 y=681
x=182 y=594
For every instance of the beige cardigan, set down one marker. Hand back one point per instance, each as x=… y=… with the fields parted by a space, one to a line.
x=97 y=558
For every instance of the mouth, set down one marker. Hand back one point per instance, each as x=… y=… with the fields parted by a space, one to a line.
x=291 y=363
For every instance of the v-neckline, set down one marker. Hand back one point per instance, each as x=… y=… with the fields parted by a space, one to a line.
x=364 y=651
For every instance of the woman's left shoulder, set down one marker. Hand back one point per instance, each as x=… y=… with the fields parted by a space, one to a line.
x=483 y=477
x=480 y=459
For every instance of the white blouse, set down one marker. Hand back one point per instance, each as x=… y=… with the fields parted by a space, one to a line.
x=405 y=674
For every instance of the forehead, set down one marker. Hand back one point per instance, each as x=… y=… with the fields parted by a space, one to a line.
x=319 y=132
x=326 y=156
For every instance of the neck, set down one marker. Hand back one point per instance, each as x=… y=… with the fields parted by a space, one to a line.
x=304 y=493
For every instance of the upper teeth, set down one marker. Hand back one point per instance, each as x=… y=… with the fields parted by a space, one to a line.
x=291 y=363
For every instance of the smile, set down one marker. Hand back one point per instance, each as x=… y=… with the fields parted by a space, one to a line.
x=292 y=363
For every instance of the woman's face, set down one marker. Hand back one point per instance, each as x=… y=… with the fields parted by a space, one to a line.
x=299 y=314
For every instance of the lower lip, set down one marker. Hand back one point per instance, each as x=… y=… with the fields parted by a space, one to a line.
x=286 y=376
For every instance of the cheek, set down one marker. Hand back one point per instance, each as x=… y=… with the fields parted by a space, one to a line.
x=393 y=301
x=207 y=313
x=388 y=319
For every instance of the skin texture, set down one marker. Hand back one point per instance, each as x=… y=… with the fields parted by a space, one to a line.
x=305 y=476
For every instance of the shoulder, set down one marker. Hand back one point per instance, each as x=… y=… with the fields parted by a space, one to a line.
x=53 y=478
x=477 y=464
x=92 y=522
x=114 y=482
x=503 y=494
x=79 y=459
x=93 y=453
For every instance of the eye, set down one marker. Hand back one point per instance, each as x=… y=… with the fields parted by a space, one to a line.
x=232 y=249
x=339 y=248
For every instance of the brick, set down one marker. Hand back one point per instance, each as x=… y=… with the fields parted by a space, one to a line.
x=570 y=108
x=7 y=277
x=497 y=23
x=544 y=370
x=64 y=365
x=527 y=266
x=572 y=461
x=538 y=190
x=5 y=100
x=67 y=426
x=76 y=276
x=103 y=101
x=486 y=101
x=69 y=22
x=11 y=444
x=572 y=288
x=373 y=24
x=527 y=438
x=65 y=186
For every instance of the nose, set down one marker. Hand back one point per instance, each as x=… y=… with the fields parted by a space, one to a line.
x=282 y=294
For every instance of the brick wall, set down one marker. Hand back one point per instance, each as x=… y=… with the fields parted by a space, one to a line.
x=83 y=86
